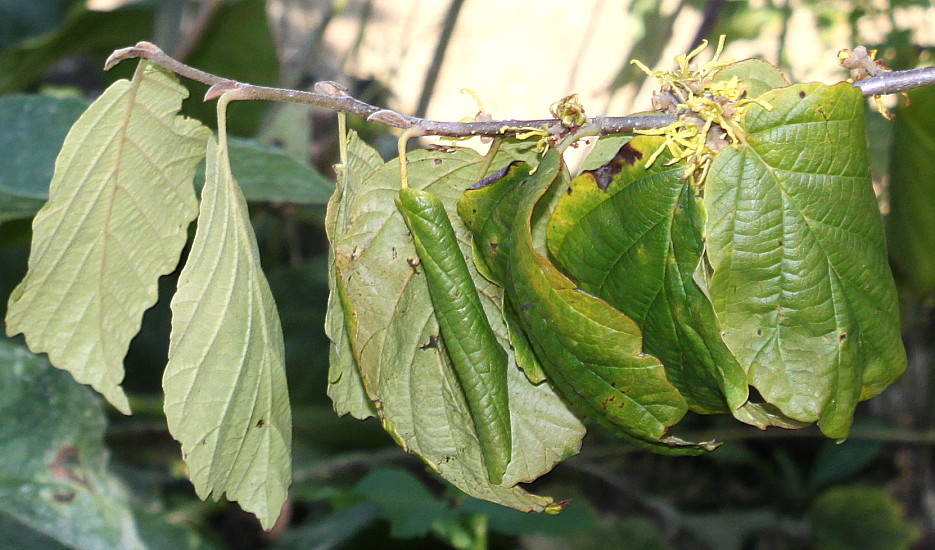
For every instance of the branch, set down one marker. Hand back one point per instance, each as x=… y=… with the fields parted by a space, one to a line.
x=330 y=95
x=892 y=82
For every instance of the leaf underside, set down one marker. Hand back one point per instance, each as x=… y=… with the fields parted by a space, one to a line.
x=393 y=337
x=227 y=401
x=120 y=203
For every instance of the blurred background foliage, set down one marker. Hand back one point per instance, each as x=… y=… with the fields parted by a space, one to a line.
x=75 y=474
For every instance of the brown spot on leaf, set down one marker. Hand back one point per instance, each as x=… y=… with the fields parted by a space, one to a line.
x=437 y=162
x=260 y=423
x=625 y=156
x=802 y=95
x=842 y=337
x=493 y=246
x=413 y=263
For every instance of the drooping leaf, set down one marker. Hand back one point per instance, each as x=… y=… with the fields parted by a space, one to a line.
x=633 y=236
x=345 y=387
x=394 y=337
x=119 y=207
x=799 y=279
x=859 y=517
x=34 y=129
x=910 y=224
x=225 y=383
x=590 y=351
x=53 y=463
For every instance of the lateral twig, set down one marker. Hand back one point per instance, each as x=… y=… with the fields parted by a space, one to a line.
x=333 y=97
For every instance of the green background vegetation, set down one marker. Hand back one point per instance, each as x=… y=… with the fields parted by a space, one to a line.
x=76 y=474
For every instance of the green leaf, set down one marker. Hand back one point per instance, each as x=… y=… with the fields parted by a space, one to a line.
x=799 y=280
x=225 y=383
x=844 y=518
x=267 y=174
x=119 y=207
x=19 y=20
x=403 y=500
x=393 y=334
x=82 y=31
x=755 y=76
x=53 y=462
x=345 y=387
x=590 y=351
x=633 y=236
x=838 y=461
x=910 y=224
x=479 y=362
x=34 y=129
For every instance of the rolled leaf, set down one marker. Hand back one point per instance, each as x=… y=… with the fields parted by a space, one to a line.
x=478 y=360
x=633 y=236
x=591 y=352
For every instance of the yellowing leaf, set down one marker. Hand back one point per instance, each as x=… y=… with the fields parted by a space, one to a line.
x=225 y=383
x=119 y=206
x=345 y=387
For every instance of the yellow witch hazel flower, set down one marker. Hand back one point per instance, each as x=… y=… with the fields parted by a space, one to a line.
x=710 y=112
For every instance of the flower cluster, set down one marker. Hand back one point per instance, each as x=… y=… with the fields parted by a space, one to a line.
x=710 y=111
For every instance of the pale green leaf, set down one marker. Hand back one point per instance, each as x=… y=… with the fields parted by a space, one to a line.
x=345 y=387
x=53 y=463
x=225 y=383
x=800 y=280
x=120 y=203
x=394 y=338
